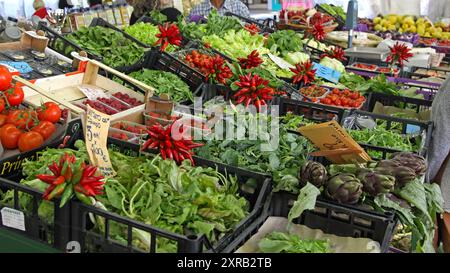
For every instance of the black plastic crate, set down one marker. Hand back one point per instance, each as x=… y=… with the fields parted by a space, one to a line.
x=328 y=216
x=425 y=128
x=186 y=243
x=55 y=233
x=68 y=46
x=312 y=111
x=157 y=60
x=398 y=101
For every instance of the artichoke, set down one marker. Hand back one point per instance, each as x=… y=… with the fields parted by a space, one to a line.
x=388 y=164
x=344 y=188
x=411 y=160
x=375 y=183
x=402 y=174
x=314 y=173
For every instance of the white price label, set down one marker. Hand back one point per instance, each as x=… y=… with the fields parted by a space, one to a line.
x=13 y=218
x=92 y=92
x=280 y=62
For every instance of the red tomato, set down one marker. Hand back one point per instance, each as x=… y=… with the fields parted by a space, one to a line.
x=2 y=120
x=21 y=118
x=14 y=96
x=9 y=136
x=2 y=104
x=5 y=78
x=45 y=128
x=52 y=113
x=338 y=102
x=29 y=141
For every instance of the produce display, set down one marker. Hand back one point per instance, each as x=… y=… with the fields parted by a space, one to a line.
x=165 y=82
x=112 y=46
x=281 y=163
x=256 y=159
x=422 y=26
x=146 y=33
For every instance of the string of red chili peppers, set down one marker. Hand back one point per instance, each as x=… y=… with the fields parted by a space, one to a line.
x=399 y=53
x=252 y=28
x=72 y=178
x=168 y=34
x=303 y=73
x=253 y=89
x=171 y=144
x=335 y=53
x=252 y=60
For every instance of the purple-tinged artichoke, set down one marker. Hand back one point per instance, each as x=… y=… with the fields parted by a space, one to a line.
x=376 y=183
x=314 y=173
x=411 y=160
x=344 y=188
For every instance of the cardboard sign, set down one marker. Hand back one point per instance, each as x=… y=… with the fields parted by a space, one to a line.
x=334 y=143
x=96 y=134
x=327 y=73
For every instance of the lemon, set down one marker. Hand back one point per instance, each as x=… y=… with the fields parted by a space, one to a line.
x=412 y=29
x=378 y=27
x=384 y=29
x=376 y=20
x=420 y=21
x=427 y=34
x=438 y=29
x=392 y=19
x=405 y=26
x=391 y=27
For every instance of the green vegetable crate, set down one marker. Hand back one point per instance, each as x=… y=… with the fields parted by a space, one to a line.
x=55 y=38
x=330 y=217
x=311 y=111
x=418 y=105
x=54 y=231
x=257 y=195
x=392 y=134
x=156 y=60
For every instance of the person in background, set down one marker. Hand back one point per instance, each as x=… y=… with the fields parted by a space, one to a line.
x=95 y=3
x=62 y=4
x=438 y=158
x=142 y=7
x=222 y=6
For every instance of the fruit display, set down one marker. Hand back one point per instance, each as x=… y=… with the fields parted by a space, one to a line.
x=404 y=24
x=343 y=98
x=111 y=104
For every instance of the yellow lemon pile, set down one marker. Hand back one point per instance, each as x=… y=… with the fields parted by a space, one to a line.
x=406 y=23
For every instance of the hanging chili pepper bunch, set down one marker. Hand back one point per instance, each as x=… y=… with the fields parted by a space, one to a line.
x=336 y=53
x=252 y=60
x=171 y=144
x=252 y=28
x=304 y=73
x=213 y=67
x=168 y=34
x=253 y=89
x=399 y=53
x=72 y=178
x=316 y=31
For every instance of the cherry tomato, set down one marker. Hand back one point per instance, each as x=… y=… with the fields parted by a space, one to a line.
x=52 y=113
x=21 y=118
x=29 y=141
x=3 y=119
x=14 y=96
x=45 y=128
x=5 y=78
x=2 y=104
x=9 y=136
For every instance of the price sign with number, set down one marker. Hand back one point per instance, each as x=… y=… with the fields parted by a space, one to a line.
x=327 y=73
x=96 y=135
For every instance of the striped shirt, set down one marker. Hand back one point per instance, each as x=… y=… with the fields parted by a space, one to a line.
x=234 y=6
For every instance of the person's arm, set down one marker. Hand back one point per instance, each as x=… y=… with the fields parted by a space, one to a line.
x=243 y=10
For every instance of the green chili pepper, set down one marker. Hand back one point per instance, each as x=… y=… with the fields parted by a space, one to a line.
x=68 y=193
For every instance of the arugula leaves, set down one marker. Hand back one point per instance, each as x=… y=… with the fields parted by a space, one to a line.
x=279 y=242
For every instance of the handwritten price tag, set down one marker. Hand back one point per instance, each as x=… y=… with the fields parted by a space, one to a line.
x=327 y=73
x=96 y=135
x=92 y=92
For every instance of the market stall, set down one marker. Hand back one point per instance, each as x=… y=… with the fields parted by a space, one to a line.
x=227 y=135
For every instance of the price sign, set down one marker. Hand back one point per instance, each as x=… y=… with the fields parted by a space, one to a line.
x=96 y=135
x=17 y=68
x=327 y=73
x=92 y=92
x=13 y=218
x=334 y=143
x=280 y=62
